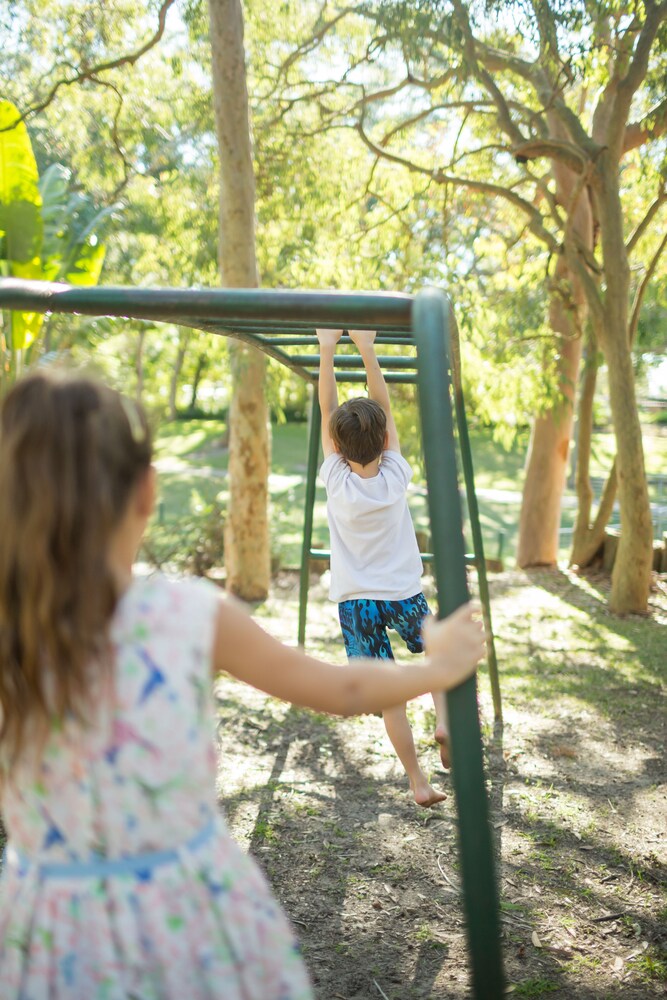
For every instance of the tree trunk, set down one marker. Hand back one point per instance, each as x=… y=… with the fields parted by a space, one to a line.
x=584 y=435
x=546 y=464
x=588 y=538
x=631 y=576
x=202 y=361
x=247 y=539
x=183 y=339
x=139 y=365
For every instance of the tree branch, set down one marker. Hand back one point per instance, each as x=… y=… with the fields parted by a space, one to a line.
x=629 y=84
x=89 y=73
x=471 y=45
x=555 y=149
x=655 y=15
x=469 y=106
x=483 y=187
x=639 y=297
x=128 y=169
x=651 y=126
x=646 y=221
x=576 y=262
x=311 y=42
x=409 y=81
x=548 y=94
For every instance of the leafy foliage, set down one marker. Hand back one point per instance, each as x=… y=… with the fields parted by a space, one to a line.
x=21 y=225
x=379 y=158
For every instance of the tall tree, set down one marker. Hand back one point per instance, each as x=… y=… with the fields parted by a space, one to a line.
x=546 y=465
x=540 y=105
x=247 y=542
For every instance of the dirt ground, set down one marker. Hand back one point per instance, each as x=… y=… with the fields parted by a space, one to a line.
x=578 y=797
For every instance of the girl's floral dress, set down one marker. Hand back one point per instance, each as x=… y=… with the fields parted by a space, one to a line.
x=120 y=879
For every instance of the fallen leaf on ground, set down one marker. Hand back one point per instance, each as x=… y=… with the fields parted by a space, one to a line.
x=564 y=752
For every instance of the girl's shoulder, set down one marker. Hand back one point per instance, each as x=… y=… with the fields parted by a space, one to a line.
x=169 y=603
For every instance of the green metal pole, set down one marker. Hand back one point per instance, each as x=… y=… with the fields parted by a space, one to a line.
x=473 y=513
x=480 y=560
x=430 y=323
x=311 y=476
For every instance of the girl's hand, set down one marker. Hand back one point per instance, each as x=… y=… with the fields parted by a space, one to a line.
x=328 y=338
x=456 y=642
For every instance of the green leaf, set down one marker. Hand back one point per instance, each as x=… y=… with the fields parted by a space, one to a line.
x=87 y=267
x=72 y=251
x=21 y=228
x=20 y=200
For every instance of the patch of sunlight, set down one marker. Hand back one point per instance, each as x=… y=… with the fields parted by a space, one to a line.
x=533 y=600
x=173 y=465
x=181 y=444
x=237 y=777
x=280 y=483
x=242 y=785
x=242 y=822
x=599 y=634
x=570 y=808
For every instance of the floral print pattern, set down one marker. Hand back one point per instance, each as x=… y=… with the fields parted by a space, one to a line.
x=141 y=779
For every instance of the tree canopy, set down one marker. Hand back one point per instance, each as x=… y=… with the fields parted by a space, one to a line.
x=515 y=154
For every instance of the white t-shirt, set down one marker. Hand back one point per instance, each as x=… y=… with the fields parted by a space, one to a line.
x=374 y=551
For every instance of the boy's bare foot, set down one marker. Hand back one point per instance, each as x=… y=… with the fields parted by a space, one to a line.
x=442 y=739
x=425 y=795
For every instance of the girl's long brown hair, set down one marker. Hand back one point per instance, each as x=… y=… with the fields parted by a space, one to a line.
x=71 y=451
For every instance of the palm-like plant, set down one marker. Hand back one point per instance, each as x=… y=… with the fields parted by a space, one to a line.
x=48 y=231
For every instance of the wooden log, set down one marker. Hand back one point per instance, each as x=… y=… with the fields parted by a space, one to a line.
x=610 y=547
x=423 y=540
x=494 y=565
x=318 y=565
x=611 y=538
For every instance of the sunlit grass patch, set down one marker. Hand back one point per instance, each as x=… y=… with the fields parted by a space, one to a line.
x=179 y=438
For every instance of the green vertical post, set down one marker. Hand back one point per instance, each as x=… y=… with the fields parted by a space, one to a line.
x=430 y=324
x=311 y=477
x=478 y=548
x=473 y=512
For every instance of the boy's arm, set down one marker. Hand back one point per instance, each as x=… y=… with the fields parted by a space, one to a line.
x=326 y=386
x=377 y=387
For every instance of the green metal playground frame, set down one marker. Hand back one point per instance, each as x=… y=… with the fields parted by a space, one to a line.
x=282 y=325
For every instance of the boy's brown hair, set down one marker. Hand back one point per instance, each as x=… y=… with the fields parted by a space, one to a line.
x=358 y=429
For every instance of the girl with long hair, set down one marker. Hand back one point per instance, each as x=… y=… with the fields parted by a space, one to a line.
x=120 y=879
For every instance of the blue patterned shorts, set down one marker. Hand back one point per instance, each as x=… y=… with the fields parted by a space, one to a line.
x=364 y=623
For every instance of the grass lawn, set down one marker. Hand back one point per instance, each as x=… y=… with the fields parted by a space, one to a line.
x=192 y=459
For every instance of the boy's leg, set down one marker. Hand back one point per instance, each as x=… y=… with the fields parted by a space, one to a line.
x=407 y=618
x=399 y=732
x=442 y=727
x=363 y=623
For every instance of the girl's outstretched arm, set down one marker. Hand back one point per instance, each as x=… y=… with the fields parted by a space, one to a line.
x=454 y=647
